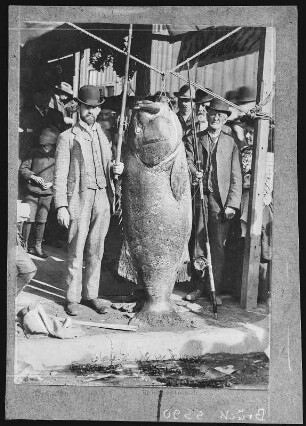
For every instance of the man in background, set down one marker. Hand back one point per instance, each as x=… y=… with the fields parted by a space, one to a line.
x=37 y=117
x=184 y=106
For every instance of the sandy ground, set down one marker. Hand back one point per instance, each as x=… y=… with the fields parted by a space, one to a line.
x=48 y=289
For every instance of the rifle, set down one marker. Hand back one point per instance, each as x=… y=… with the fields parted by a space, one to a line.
x=199 y=169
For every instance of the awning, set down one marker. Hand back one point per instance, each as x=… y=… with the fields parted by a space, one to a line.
x=243 y=42
x=46 y=41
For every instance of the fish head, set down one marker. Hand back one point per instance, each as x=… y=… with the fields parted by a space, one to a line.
x=154 y=131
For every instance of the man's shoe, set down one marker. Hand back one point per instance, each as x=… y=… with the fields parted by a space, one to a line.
x=72 y=308
x=37 y=251
x=96 y=304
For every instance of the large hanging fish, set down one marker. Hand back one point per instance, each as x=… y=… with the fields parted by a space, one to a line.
x=156 y=209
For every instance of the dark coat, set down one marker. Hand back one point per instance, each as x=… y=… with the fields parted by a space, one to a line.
x=186 y=125
x=228 y=165
x=41 y=163
x=32 y=123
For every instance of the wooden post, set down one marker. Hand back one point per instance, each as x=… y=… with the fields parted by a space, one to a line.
x=76 y=79
x=265 y=80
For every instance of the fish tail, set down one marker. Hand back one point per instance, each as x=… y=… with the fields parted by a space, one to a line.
x=183 y=273
x=125 y=267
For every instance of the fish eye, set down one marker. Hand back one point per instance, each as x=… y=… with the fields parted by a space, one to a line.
x=138 y=130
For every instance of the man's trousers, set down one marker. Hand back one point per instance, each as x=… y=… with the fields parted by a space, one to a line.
x=86 y=242
x=218 y=229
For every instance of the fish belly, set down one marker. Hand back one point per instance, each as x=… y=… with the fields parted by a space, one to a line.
x=156 y=229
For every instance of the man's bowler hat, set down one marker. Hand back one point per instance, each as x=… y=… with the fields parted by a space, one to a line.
x=89 y=95
x=245 y=94
x=201 y=96
x=219 y=106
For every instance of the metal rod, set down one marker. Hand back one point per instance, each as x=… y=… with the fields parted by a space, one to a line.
x=59 y=59
x=199 y=166
x=126 y=78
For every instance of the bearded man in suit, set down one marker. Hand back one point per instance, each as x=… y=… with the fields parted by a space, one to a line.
x=222 y=185
x=84 y=199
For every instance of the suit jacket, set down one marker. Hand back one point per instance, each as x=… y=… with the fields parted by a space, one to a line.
x=228 y=165
x=69 y=177
x=186 y=125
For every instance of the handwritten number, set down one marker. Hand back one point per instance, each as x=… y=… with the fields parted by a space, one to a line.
x=186 y=415
x=174 y=414
x=199 y=416
x=168 y=415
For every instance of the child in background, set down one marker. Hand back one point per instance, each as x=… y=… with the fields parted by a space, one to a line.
x=38 y=170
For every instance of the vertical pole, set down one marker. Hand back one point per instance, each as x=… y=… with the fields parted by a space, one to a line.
x=252 y=253
x=76 y=79
x=126 y=78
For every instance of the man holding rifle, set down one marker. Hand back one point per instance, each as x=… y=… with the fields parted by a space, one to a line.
x=218 y=166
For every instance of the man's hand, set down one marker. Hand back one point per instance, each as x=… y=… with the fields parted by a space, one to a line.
x=63 y=217
x=198 y=175
x=229 y=213
x=118 y=168
x=37 y=179
x=46 y=185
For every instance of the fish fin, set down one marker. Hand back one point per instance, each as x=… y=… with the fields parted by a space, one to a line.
x=177 y=176
x=183 y=273
x=125 y=267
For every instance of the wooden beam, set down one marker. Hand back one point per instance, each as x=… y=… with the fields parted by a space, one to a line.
x=76 y=79
x=265 y=81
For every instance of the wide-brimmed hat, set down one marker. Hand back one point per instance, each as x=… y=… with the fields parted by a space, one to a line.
x=184 y=92
x=245 y=94
x=65 y=87
x=201 y=96
x=112 y=103
x=158 y=95
x=219 y=106
x=89 y=95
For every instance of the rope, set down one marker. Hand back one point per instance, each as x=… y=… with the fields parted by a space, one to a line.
x=198 y=86
x=253 y=113
x=205 y=49
x=114 y=47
